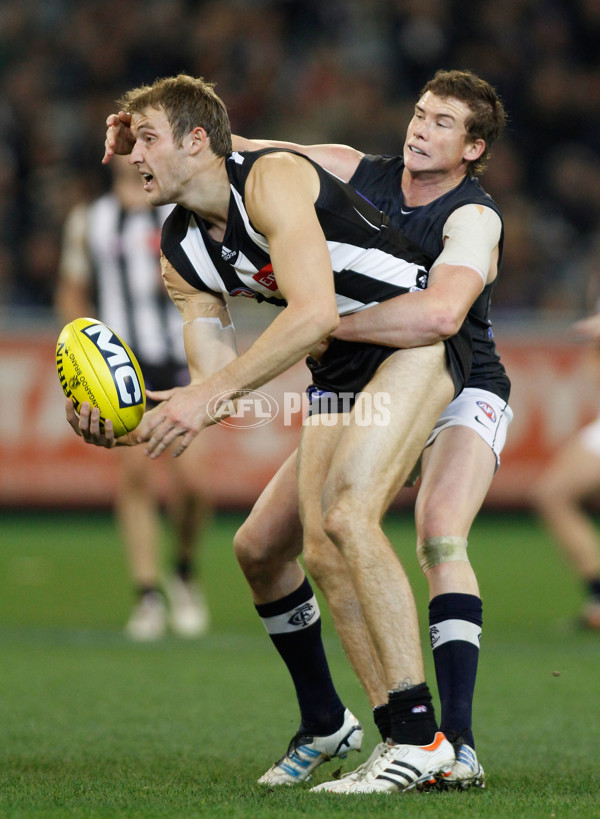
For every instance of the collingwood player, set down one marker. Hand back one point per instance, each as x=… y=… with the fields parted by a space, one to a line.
x=110 y=268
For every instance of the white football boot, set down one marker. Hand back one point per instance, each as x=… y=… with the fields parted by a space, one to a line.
x=466 y=771
x=148 y=620
x=188 y=615
x=345 y=779
x=398 y=768
x=305 y=753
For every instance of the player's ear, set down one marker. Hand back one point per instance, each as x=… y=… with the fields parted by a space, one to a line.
x=198 y=139
x=474 y=150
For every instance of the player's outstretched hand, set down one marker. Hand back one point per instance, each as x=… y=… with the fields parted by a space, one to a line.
x=119 y=139
x=87 y=426
x=179 y=417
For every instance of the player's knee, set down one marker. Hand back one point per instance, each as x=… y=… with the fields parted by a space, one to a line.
x=262 y=551
x=250 y=551
x=335 y=522
x=343 y=516
x=433 y=551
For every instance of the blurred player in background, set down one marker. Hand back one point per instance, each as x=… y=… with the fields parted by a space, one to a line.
x=571 y=479
x=110 y=270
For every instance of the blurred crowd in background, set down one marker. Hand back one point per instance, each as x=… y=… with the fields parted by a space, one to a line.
x=310 y=71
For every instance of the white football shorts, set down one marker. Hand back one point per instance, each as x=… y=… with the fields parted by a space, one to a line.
x=484 y=412
x=589 y=437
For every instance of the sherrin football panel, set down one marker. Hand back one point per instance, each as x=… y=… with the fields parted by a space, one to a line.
x=114 y=364
x=95 y=365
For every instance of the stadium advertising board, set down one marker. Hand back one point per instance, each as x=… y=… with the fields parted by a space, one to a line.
x=555 y=391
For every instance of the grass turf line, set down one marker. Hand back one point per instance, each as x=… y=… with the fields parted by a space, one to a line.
x=93 y=726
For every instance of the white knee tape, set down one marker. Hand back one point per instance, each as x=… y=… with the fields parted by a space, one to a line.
x=443 y=549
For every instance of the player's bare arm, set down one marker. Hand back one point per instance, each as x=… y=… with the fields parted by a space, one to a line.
x=468 y=262
x=280 y=195
x=208 y=332
x=420 y=318
x=341 y=160
x=210 y=345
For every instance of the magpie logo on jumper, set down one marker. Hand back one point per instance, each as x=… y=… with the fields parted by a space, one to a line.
x=434 y=635
x=250 y=409
x=419 y=709
x=118 y=361
x=303 y=615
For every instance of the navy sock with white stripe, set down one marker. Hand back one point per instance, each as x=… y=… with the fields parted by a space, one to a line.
x=455 y=629
x=294 y=625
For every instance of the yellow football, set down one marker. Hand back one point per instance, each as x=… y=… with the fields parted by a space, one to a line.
x=97 y=366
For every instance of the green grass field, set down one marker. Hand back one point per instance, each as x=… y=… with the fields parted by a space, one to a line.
x=92 y=726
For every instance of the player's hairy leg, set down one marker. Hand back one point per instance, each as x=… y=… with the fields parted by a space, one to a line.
x=269 y=542
x=326 y=565
x=369 y=466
